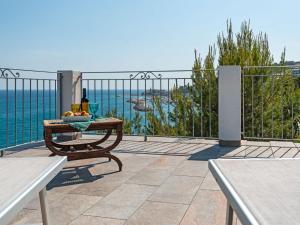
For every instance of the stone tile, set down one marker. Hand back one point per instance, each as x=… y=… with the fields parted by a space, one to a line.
x=208 y=207
x=70 y=207
x=61 y=186
x=27 y=216
x=137 y=163
x=163 y=139
x=257 y=143
x=163 y=147
x=192 y=168
x=209 y=183
x=264 y=152
x=166 y=162
x=298 y=155
x=112 y=211
x=30 y=153
x=70 y=178
x=178 y=148
x=126 y=144
x=193 y=140
x=233 y=152
x=281 y=152
x=103 y=168
x=287 y=144
x=210 y=142
x=255 y=151
x=122 y=202
x=150 y=177
x=84 y=162
x=268 y=153
x=243 y=142
x=291 y=153
x=123 y=156
x=177 y=189
x=297 y=144
x=142 y=146
x=201 y=147
x=129 y=194
x=104 y=186
x=62 y=211
x=190 y=148
x=205 y=152
x=52 y=197
x=91 y=220
x=154 y=213
x=147 y=156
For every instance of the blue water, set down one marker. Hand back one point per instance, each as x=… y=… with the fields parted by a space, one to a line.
x=22 y=119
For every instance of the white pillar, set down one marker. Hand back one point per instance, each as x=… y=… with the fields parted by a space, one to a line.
x=69 y=90
x=229 y=80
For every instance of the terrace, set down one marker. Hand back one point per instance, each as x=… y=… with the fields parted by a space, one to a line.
x=164 y=174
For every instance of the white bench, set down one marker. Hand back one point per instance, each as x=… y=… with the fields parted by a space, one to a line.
x=21 y=180
x=260 y=191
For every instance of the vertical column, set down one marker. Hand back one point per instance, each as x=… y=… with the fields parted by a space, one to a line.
x=69 y=90
x=229 y=80
x=69 y=87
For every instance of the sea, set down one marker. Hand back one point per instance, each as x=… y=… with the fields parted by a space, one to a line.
x=22 y=112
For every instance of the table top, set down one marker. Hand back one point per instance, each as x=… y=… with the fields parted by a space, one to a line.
x=261 y=191
x=100 y=122
x=21 y=179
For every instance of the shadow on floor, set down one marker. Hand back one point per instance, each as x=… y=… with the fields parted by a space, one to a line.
x=212 y=152
x=76 y=175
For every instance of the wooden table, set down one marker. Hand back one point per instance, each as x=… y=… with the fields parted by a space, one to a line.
x=21 y=181
x=260 y=191
x=83 y=150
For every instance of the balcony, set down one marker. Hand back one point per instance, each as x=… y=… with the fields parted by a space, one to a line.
x=165 y=179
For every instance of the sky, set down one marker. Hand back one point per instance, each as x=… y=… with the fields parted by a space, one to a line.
x=103 y=35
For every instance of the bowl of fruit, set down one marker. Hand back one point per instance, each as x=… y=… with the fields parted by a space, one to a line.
x=83 y=116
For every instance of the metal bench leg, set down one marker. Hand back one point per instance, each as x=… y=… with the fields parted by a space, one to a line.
x=229 y=214
x=44 y=206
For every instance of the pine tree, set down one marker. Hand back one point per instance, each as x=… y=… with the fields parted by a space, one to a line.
x=270 y=95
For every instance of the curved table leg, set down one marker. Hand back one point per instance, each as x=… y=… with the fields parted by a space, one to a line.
x=94 y=151
x=106 y=136
x=115 y=158
x=93 y=144
x=119 y=133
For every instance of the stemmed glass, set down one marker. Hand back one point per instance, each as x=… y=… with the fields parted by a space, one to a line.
x=93 y=108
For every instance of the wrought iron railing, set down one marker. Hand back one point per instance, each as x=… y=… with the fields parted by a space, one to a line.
x=158 y=103
x=182 y=103
x=271 y=102
x=27 y=97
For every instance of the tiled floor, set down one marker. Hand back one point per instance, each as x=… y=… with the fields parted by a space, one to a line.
x=164 y=181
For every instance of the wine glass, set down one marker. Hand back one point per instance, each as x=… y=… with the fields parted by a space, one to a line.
x=93 y=108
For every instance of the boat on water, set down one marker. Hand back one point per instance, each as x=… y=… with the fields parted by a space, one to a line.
x=141 y=107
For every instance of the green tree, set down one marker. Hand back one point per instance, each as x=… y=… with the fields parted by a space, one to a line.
x=127 y=124
x=270 y=94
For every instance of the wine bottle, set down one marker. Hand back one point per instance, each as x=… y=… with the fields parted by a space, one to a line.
x=84 y=104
